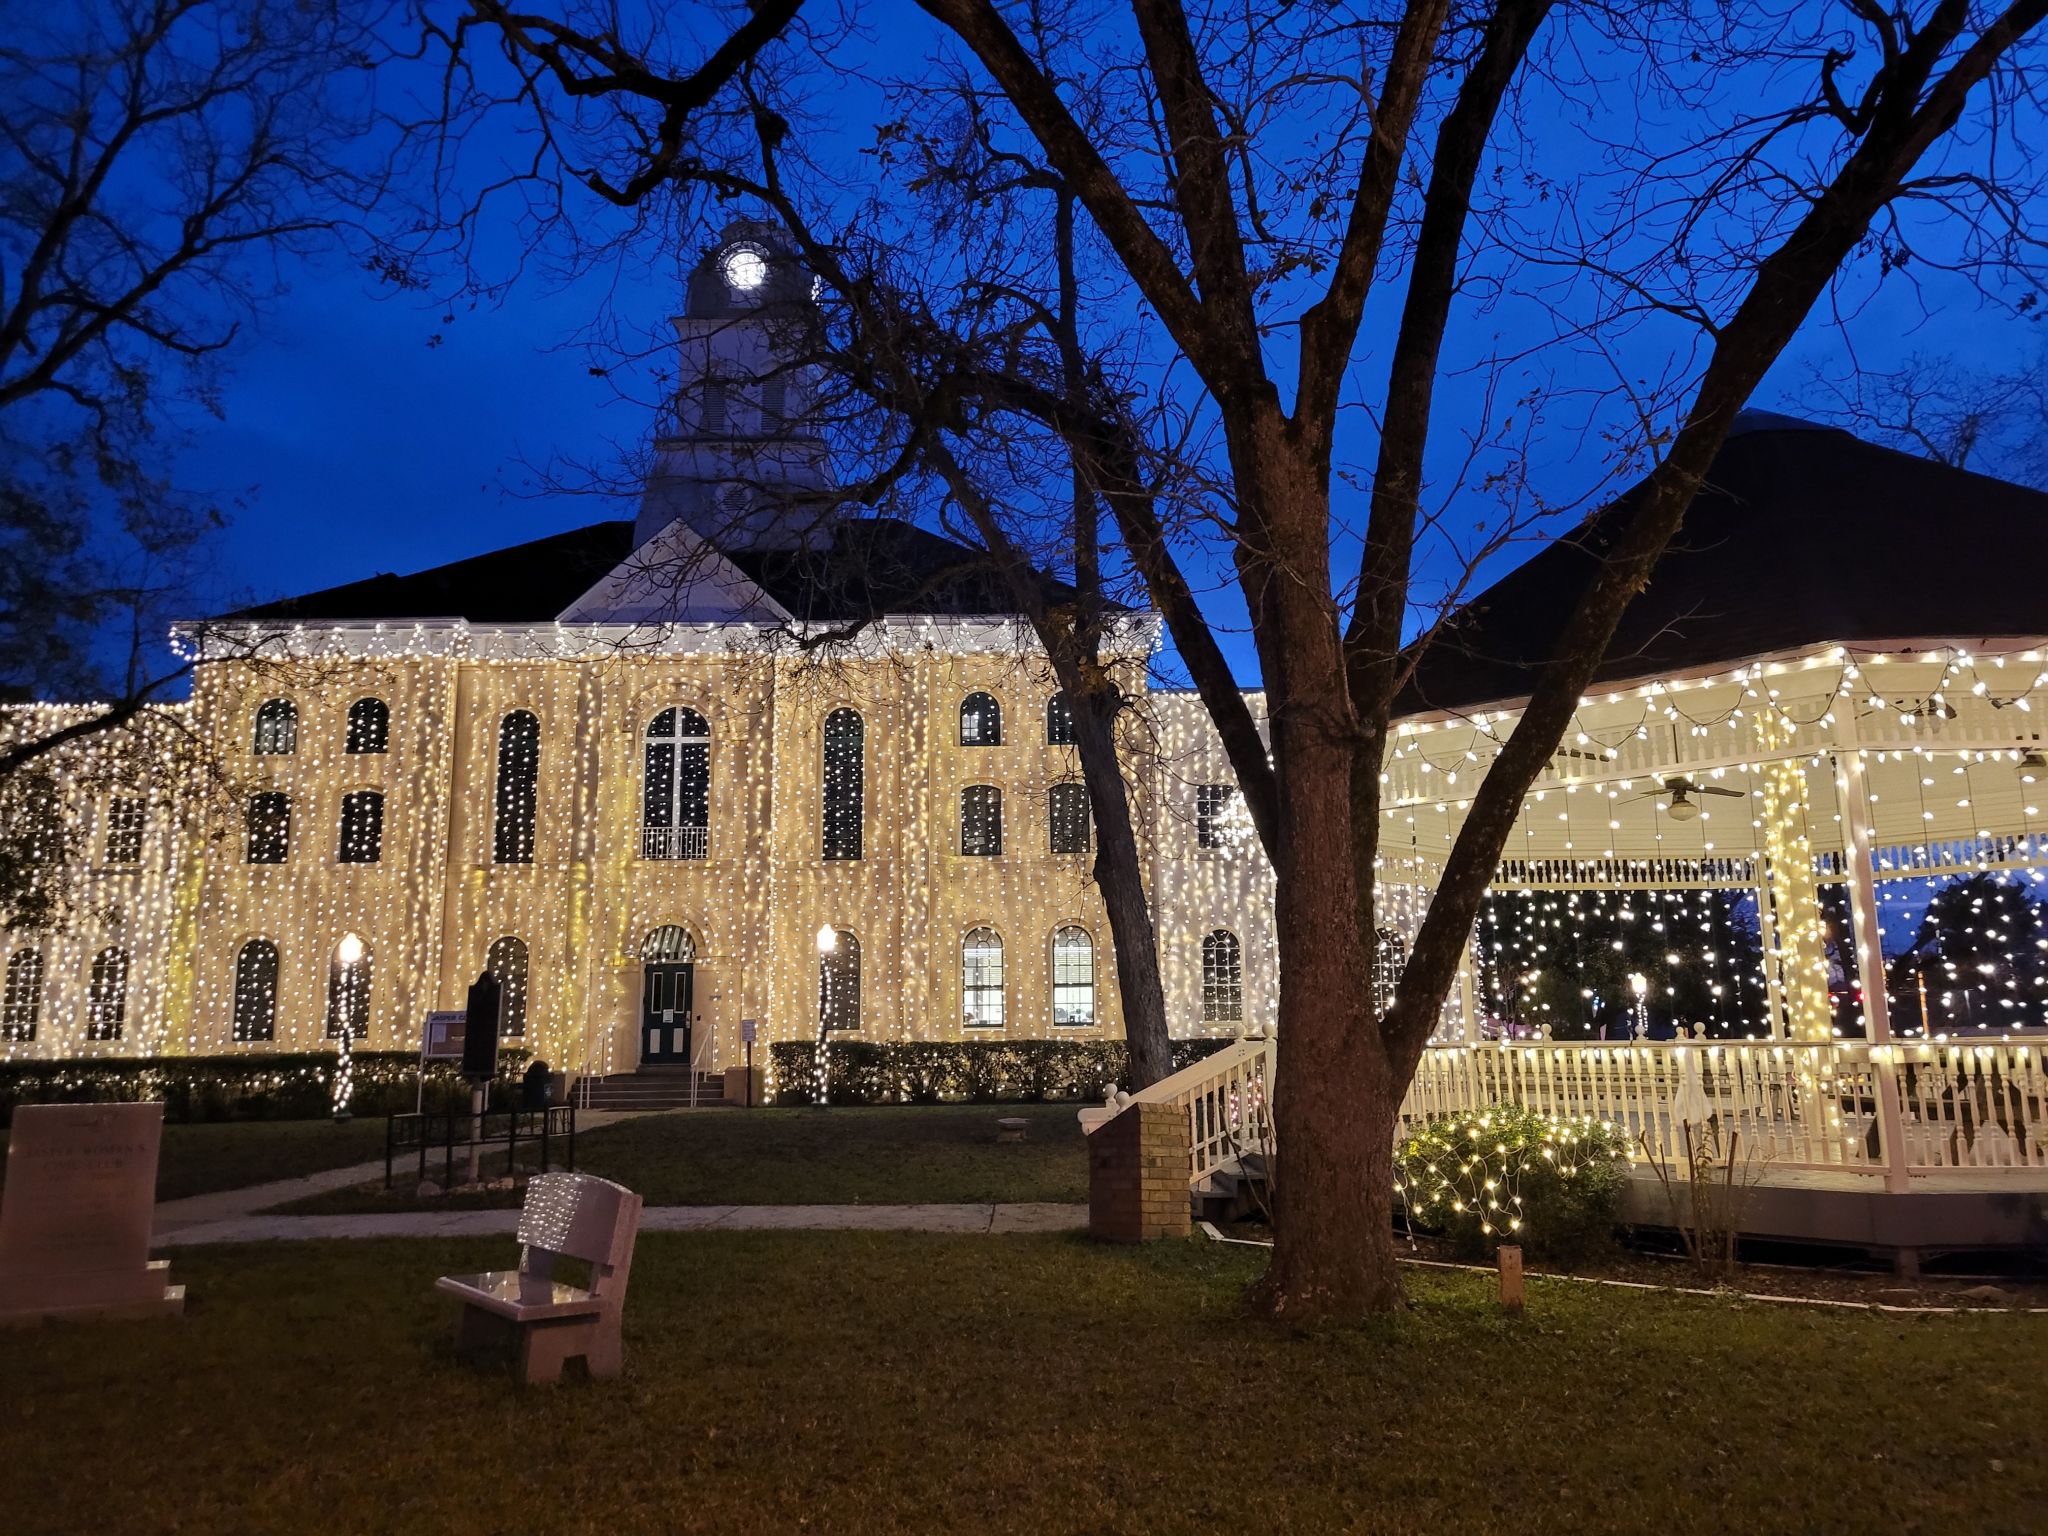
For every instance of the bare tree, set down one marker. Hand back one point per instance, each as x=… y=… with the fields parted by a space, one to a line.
x=1247 y=174
x=1992 y=422
x=160 y=162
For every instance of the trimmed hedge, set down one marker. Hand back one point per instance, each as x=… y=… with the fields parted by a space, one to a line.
x=296 y=1086
x=974 y=1071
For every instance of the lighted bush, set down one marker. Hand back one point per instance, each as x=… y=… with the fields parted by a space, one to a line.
x=1513 y=1175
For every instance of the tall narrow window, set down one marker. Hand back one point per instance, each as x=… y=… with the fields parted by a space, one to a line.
x=127 y=819
x=840 y=1006
x=675 y=819
x=774 y=403
x=507 y=962
x=981 y=721
x=270 y=827
x=981 y=821
x=845 y=783
x=256 y=991
x=369 y=727
x=711 y=408
x=22 y=1000
x=1067 y=814
x=277 y=728
x=106 y=1000
x=362 y=827
x=1222 y=978
x=981 y=979
x=1073 y=976
x=1214 y=807
x=1059 y=722
x=348 y=996
x=518 y=787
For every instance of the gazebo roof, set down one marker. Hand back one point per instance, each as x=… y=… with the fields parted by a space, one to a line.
x=1803 y=535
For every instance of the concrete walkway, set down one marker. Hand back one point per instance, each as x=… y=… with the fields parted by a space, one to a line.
x=226 y=1204
x=246 y=1228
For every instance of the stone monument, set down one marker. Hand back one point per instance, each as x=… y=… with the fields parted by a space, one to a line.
x=75 y=1216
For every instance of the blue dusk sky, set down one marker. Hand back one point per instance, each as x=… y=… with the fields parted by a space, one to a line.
x=364 y=430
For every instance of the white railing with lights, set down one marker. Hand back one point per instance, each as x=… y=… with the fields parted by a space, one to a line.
x=1226 y=1097
x=1952 y=1108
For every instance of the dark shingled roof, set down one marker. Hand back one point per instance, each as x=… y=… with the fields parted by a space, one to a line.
x=1803 y=535
x=873 y=566
x=526 y=584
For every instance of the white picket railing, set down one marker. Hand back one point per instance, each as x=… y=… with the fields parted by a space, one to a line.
x=1227 y=1098
x=1836 y=1106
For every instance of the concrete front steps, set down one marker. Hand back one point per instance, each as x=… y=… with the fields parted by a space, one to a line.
x=654 y=1088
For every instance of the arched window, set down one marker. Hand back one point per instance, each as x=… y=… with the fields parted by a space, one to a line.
x=507 y=962
x=22 y=1000
x=277 y=728
x=348 y=996
x=981 y=979
x=1222 y=978
x=518 y=787
x=668 y=943
x=270 y=827
x=1073 y=976
x=1059 y=721
x=675 y=811
x=845 y=783
x=981 y=821
x=1067 y=814
x=106 y=1001
x=981 y=721
x=840 y=1005
x=369 y=727
x=256 y=991
x=362 y=827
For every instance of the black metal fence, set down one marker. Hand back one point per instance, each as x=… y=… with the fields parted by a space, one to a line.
x=420 y=1136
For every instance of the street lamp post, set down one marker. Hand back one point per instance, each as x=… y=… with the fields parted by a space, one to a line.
x=828 y=943
x=349 y=953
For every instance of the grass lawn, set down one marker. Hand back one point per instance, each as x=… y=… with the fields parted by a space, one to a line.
x=199 y=1159
x=869 y=1382
x=885 y=1156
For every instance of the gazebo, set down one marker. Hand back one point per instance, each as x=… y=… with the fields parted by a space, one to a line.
x=1790 y=849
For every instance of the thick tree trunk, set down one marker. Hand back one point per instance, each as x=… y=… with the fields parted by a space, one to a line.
x=1334 y=1102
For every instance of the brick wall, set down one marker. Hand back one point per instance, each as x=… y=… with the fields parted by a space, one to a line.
x=1138 y=1175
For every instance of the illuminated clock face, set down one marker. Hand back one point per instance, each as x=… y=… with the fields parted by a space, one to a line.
x=744 y=266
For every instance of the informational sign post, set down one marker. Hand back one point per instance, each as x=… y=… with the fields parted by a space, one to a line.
x=748 y=1029
x=440 y=1040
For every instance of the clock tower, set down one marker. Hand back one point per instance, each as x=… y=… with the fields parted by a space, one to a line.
x=740 y=460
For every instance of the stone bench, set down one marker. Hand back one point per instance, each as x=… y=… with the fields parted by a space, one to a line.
x=566 y=1215
x=1012 y=1128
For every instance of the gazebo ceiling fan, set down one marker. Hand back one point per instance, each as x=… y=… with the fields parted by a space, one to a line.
x=1683 y=807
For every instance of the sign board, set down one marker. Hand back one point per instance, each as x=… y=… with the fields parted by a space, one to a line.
x=75 y=1216
x=442 y=1039
x=748 y=1029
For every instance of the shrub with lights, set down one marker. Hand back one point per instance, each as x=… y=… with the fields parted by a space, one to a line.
x=1512 y=1175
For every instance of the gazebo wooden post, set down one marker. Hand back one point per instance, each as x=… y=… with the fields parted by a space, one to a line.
x=1850 y=778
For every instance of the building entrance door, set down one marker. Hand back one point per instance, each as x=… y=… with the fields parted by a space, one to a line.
x=665 y=1013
